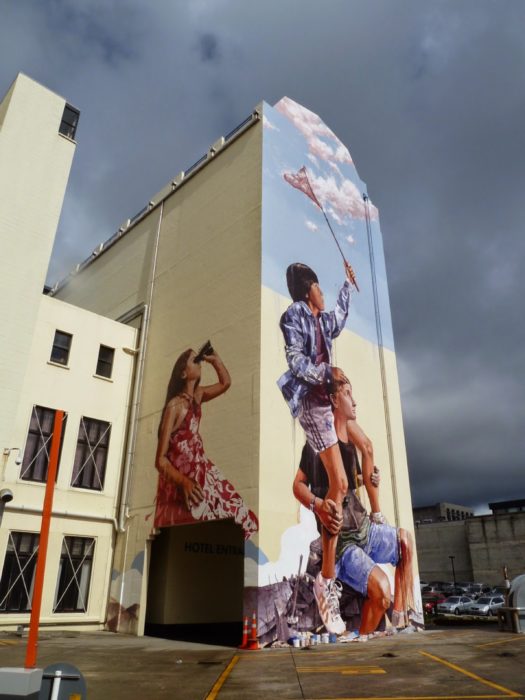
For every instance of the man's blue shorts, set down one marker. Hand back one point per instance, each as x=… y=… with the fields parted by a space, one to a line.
x=355 y=564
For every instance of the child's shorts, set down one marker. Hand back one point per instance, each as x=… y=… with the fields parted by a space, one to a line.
x=317 y=421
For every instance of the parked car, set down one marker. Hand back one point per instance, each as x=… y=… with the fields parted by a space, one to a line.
x=456 y=590
x=454 y=604
x=434 y=587
x=440 y=585
x=430 y=600
x=499 y=590
x=478 y=589
x=486 y=605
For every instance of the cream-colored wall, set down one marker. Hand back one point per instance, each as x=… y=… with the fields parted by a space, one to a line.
x=117 y=280
x=207 y=285
x=282 y=440
x=76 y=390
x=35 y=161
x=100 y=574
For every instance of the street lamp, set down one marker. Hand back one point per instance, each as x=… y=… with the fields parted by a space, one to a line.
x=452 y=557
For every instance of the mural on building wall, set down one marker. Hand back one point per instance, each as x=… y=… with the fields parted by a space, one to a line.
x=124 y=597
x=190 y=486
x=357 y=577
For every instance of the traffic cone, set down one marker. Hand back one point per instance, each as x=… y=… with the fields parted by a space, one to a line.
x=244 y=643
x=253 y=644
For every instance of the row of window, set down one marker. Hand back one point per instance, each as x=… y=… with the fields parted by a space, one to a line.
x=62 y=347
x=73 y=579
x=89 y=467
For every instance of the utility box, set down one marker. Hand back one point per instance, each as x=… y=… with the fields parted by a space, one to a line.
x=512 y=617
x=20 y=683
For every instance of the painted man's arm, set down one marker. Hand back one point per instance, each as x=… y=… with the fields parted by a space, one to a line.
x=365 y=447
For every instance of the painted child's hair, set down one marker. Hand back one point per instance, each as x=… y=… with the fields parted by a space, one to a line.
x=299 y=278
x=334 y=386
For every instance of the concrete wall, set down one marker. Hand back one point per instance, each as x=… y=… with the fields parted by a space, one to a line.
x=435 y=543
x=497 y=541
x=35 y=161
x=482 y=546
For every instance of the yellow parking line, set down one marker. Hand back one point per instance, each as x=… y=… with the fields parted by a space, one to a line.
x=344 y=670
x=516 y=638
x=426 y=697
x=509 y=693
x=8 y=642
x=222 y=679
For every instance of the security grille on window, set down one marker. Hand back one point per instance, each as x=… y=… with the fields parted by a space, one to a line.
x=74 y=574
x=92 y=452
x=18 y=574
x=61 y=347
x=38 y=444
x=105 y=361
x=69 y=123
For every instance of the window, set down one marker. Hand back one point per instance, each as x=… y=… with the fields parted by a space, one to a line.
x=61 y=347
x=105 y=361
x=91 y=455
x=16 y=584
x=69 y=123
x=74 y=574
x=38 y=444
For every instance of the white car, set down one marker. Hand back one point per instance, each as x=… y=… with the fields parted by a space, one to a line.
x=486 y=605
x=454 y=604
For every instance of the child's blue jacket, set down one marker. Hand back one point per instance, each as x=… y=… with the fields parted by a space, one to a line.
x=298 y=327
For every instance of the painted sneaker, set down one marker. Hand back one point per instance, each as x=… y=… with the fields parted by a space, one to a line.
x=327 y=594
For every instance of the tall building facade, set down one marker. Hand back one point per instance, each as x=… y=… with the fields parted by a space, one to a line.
x=207 y=259
x=206 y=524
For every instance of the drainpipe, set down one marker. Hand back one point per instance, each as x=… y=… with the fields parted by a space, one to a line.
x=137 y=387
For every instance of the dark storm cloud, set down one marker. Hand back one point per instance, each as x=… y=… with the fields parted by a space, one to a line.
x=430 y=99
x=208 y=46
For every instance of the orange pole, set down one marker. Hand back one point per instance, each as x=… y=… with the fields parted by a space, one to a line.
x=32 y=640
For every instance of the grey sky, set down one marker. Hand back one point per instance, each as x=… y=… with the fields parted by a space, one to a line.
x=429 y=96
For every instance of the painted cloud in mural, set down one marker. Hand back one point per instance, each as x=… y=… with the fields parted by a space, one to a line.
x=338 y=195
x=322 y=142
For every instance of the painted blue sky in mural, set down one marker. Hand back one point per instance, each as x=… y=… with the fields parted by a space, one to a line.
x=294 y=228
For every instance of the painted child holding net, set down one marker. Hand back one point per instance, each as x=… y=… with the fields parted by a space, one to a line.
x=308 y=332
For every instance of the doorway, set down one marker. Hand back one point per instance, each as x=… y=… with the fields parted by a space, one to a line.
x=195 y=583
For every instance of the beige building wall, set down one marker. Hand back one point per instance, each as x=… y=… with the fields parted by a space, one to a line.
x=77 y=390
x=117 y=280
x=211 y=225
x=35 y=161
x=193 y=265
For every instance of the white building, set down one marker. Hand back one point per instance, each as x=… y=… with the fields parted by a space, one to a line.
x=53 y=356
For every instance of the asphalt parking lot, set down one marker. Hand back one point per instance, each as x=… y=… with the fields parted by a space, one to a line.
x=439 y=664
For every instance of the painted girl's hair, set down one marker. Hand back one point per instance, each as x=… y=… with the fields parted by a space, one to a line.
x=177 y=381
x=299 y=278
